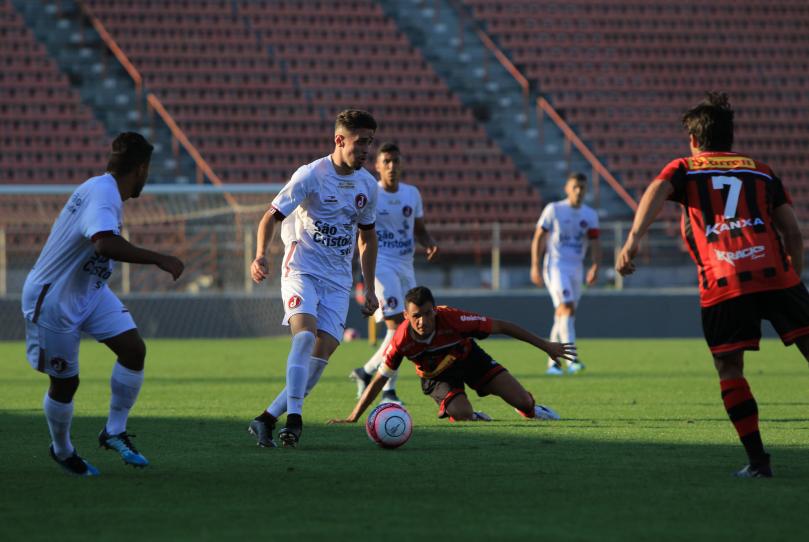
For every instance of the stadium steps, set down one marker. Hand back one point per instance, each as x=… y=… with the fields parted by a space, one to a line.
x=101 y=81
x=494 y=96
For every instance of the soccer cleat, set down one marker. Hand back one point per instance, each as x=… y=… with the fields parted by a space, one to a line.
x=389 y=396
x=122 y=444
x=290 y=434
x=361 y=378
x=541 y=412
x=75 y=464
x=761 y=470
x=263 y=433
x=554 y=370
x=575 y=367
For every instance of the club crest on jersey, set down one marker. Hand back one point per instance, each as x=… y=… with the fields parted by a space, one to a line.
x=754 y=253
x=716 y=229
x=361 y=200
x=392 y=302
x=58 y=364
x=407 y=210
x=294 y=301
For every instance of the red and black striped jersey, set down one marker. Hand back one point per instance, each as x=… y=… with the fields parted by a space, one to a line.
x=450 y=342
x=728 y=202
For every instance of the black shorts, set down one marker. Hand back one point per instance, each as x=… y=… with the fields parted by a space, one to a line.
x=476 y=370
x=735 y=324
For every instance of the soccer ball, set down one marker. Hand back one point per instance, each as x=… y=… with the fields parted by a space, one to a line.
x=389 y=425
x=350 y=334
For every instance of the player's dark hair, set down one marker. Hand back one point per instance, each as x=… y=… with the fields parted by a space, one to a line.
x=388 y=147
x=353 y=120
x=419 y=296
x=130 y=150
x=577 y=176
x=711 y=122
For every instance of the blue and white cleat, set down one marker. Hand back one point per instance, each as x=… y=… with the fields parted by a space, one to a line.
x=75 y=464
x=554 y=370
x=121 y=444
x=575 y=367
x=541 y=413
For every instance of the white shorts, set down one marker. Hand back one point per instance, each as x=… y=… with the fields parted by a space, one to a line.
x=56 y=353
x=391 y=286
x=305 y=294
x=563 y=283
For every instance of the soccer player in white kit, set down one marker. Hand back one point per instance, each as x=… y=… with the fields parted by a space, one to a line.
x=320 y=210
x=399 y=225
x=66 y=294
x=563 y=233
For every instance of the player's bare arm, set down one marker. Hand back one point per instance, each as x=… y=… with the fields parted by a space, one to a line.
x=554 y=350
x=119 y=249
x=649 y=207
x=787 y=225
x=424 y=238
x=595 y=256
x=368 y=246
x=259 y=269
x=368 y=397
x=538 y=244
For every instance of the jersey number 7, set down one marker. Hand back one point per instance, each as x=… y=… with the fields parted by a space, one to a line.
x=735 y=185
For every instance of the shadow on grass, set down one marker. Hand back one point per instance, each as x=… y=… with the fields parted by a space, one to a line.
x=209 y=481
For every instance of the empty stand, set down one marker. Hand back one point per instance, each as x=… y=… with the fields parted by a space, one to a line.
x=623 y=73
x=47 y=135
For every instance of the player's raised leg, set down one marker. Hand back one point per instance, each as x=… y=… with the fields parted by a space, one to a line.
x=125 y=384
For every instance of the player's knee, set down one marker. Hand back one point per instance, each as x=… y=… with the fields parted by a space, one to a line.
x=461 y=411
x=63 y=389
x=134 y=356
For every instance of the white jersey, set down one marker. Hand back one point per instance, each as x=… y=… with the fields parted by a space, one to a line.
x=396 y=213
x=67 y=279
x=569 y=229
x=322 y=210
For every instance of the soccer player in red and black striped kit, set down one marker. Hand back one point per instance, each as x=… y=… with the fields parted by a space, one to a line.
x=742 y=233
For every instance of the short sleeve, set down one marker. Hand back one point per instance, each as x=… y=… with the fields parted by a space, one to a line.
x=294 y=192
x=367 y=214
x=546 y=218
x=418 y=212
x=675 y=173
x=593 y=231
x=102 y=214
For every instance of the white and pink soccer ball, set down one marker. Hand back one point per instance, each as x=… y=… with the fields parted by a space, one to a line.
x=389 y=425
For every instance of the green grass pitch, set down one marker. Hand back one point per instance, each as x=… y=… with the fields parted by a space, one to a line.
x=644 y=452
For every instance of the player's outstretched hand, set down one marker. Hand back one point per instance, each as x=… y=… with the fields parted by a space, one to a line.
x=336 y=421
x=432 y=252
x=259 y=269
x=536 y=277
x=371 y=303
x=561 y=351
x=171 y=265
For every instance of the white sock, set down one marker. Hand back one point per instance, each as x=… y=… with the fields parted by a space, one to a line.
x=372 y=365
x=554 y=337
x=298 y=370
x=316 y=367
x=125 y=385
x=391 y=383
x=59 y=416
x=567 y=329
